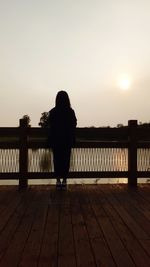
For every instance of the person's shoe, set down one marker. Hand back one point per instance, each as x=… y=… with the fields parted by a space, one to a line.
x=64 y=185
x=58 y=185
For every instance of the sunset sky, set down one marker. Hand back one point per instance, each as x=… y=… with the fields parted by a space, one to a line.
x=96 y=50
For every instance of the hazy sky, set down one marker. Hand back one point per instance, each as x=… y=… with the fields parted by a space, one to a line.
x=81 y=46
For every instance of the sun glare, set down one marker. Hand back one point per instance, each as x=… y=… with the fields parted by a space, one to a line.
x=124 y=83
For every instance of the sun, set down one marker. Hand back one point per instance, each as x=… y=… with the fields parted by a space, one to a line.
x=124 y=82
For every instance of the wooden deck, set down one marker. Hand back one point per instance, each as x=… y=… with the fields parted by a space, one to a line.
x=86 y=226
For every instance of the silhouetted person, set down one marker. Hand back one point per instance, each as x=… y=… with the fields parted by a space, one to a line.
x=62 y=122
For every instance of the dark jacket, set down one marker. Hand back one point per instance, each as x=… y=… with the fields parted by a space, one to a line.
x=62 y=123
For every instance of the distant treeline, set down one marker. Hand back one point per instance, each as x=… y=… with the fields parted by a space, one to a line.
x=120 y=125
x=44 y=123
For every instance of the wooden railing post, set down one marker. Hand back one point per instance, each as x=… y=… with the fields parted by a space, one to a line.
x=23 y=155
x=132 y=153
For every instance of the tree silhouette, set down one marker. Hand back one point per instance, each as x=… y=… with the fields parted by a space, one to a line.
x=44 y=120
x=27 y=118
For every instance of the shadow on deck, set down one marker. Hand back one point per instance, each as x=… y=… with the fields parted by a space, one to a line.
x=86 y=226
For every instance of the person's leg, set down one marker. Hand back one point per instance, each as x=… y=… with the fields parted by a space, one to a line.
x=66 y=165
x=57 y=171
x=61 y=158
x=58 y=183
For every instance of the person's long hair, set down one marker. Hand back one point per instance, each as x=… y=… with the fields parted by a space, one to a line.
x=62 y=100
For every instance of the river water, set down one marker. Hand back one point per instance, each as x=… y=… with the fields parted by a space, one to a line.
x=82 y=159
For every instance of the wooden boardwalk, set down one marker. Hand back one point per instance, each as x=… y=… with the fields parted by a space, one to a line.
x=86 y=226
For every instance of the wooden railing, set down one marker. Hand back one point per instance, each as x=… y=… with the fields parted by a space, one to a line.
x=25 y=138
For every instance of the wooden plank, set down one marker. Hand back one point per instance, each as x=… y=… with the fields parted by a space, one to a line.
x=128 y=219
x=88 y=133
x=33 y=244
x=116 y=246
x=85 y=226
x=144 y=144
x=9 y=131
x=144 y=190
x=131 y=243
x=104 y=133
x=101 y=144
x=11 y=205
x=17 y=244
x=139 y=219
x=80 y=174
x=99 y=245
x=83 y=249
x=126 y=200
x=143 y=174
x=36 y=143
x=5 y=195
x=139 y=202
x=66 y=249
x=11 y=144
x=9 y=176
x=8 y=233
x=143 y=133
x=49 y=249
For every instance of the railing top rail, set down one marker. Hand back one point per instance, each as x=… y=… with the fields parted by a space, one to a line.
x=79 y=144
